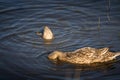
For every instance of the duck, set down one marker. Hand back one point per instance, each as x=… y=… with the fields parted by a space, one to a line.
x=85 y=55
x=47 y=34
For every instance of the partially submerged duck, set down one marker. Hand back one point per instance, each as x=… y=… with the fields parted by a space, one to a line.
x=47 y=34
x=86 y=55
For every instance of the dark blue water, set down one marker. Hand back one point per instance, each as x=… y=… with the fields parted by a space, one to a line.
x=75 y=24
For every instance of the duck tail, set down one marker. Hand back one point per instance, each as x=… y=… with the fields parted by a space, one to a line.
x=48 y=34
x=116 y=55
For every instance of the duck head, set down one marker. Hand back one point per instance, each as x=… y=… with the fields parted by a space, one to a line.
x=56 y=55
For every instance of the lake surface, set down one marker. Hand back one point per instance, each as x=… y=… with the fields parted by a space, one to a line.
x=75 y=24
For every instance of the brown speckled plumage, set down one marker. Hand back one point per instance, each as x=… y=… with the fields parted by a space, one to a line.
x=86 y=55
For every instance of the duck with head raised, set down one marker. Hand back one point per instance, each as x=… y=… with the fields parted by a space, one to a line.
x=86 y=55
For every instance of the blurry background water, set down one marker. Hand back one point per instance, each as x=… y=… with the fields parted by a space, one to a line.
x=75 y=24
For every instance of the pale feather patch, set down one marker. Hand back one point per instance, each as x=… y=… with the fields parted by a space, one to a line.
x=47 y=34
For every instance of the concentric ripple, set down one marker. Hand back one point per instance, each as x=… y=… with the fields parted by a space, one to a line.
x=75 y=24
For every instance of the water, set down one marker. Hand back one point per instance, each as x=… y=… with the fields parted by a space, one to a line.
x=75 y=24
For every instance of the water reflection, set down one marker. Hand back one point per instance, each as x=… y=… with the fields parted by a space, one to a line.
x=72 y=72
